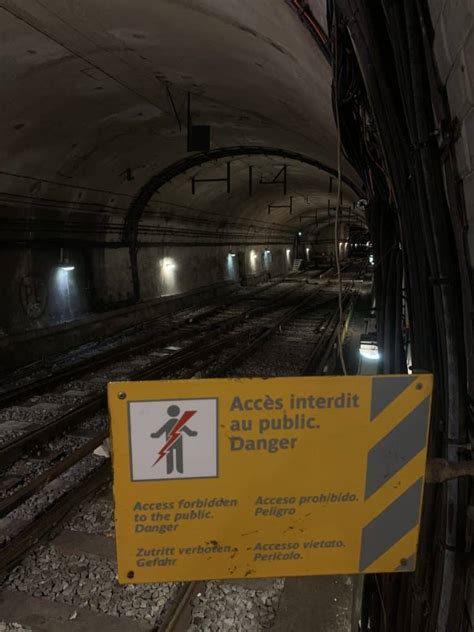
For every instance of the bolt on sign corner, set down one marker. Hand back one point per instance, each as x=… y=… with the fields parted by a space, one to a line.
x=233 y=478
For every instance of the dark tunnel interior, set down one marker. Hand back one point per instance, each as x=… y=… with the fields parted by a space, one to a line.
x=165 y=156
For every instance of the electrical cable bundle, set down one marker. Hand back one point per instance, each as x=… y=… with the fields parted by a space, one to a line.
x=387 y=131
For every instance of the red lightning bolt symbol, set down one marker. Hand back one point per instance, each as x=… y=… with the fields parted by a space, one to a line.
x=174 y=435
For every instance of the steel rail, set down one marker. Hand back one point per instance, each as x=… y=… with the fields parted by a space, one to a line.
x=179 y=616
x=121 y=351
x=39 y=527
x=14 y=550
x=324 y=345
x=179 y=613
x=245 y=352
x=13 y=449
x=11 y=502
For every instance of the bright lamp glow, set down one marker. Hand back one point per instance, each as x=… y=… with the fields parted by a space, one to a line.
x=370 y=354
x=168 y=276
x=168 y=264
x=64 y=263
x=253 y=260
x=368 y=347
x=231 y=265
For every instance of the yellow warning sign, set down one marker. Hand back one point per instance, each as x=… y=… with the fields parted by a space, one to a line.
x=232 y=478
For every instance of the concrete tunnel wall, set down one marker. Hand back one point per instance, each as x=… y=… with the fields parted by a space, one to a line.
x=453 y=47
x=322 y=240
x=40 y=293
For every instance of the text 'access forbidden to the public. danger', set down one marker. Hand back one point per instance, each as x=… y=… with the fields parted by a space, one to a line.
x=260 y=478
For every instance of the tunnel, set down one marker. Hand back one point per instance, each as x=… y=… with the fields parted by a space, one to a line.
x=167 y=155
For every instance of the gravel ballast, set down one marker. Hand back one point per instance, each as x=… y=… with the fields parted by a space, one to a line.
x=88 y=582
x=13 y=627
x=227 y=607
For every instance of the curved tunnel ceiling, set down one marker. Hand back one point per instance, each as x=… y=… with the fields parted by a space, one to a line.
x=270 y=189
x=97 y=104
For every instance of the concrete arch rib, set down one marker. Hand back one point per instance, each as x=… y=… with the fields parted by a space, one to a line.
x=142 y=198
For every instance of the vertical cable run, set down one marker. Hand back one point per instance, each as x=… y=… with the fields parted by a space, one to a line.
x=338 y=202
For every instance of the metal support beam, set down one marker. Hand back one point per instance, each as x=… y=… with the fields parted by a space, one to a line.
x=194 y=180
x=289 y=206
x=275 y=180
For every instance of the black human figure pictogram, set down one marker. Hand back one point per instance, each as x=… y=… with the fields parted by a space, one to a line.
x=174 y=455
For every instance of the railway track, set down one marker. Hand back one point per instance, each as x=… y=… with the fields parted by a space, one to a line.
x=160 y=345
x=42 y=376
x=314 y=364
x=228 y=342
x=223 y=330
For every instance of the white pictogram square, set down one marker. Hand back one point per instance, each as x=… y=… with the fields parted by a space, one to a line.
x=172 y=439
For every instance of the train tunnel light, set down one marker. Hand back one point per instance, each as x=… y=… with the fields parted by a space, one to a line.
x=253 y=260
x=369 y=354
x=368 y=347
x=231 y=265
x=64 y=264
x=168 y=276
x=168 y=265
